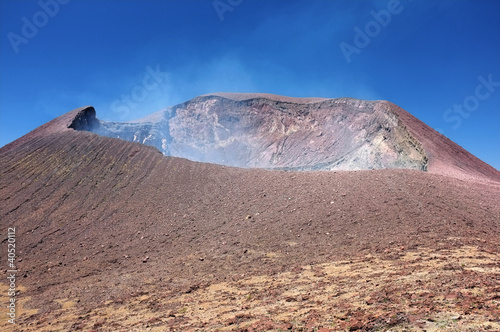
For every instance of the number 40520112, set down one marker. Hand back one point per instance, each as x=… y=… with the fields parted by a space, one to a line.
x=11 y=248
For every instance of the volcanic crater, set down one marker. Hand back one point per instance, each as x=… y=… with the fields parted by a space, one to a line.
x=340 y=214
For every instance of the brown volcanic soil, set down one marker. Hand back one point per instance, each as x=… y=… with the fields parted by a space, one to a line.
x=445 y=156
x=170 y=244
x=276 y=132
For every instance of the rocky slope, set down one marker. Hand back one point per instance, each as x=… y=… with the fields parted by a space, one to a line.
x=106 y=223
x=267 y=131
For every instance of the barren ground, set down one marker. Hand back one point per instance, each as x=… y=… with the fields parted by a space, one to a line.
x=401 y=290
x=113 y=236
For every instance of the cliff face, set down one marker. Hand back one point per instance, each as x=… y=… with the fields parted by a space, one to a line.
x=101 y=219
x=275 y=132
x=262 y=132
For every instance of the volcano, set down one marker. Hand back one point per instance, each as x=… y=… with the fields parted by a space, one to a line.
x=341 y=214
x=275 y=132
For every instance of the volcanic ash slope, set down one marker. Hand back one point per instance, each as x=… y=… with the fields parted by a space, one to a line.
x=101 y=220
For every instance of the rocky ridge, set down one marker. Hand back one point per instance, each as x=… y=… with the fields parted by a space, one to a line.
x=275 y=132
x=172 y=244
x=261 y=132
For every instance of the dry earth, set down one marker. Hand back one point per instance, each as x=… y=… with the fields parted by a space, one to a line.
x=114 y=236
x=401 y=290
x=276 y=132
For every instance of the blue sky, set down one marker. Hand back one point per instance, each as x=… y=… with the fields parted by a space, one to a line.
x=439 y=60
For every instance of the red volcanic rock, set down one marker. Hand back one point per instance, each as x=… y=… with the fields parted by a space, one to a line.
x=82 y=203
x=276 y=132
x=444 y=156
x=268 y=325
